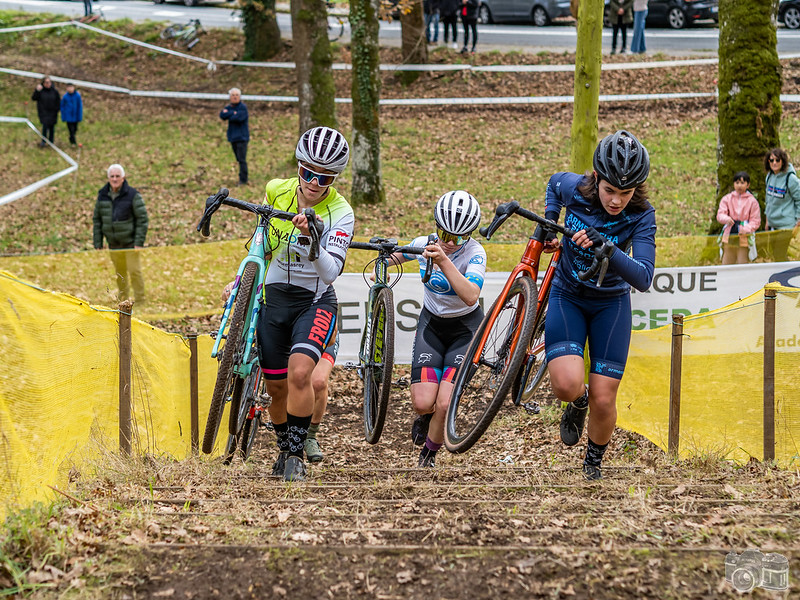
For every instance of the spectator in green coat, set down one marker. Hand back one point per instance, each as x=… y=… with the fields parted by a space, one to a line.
x=120 y=217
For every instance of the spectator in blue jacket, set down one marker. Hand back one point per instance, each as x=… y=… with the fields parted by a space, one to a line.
x=72 y=111
x=235 y=114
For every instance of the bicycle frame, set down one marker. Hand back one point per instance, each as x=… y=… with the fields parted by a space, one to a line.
x=256 y=255
x=381 y=281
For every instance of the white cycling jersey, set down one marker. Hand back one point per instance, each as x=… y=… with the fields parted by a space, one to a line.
x=439 y=297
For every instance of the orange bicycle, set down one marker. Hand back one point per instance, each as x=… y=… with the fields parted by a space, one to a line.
x=508 y=347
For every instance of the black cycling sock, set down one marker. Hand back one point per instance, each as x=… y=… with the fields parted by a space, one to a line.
x=594 y=453
x=583 y=401
x=280 y=432
x=296 y=433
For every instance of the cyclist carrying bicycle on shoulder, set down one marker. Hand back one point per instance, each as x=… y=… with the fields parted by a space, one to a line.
x=450 y=314
x=608 y=207
x=299 y=317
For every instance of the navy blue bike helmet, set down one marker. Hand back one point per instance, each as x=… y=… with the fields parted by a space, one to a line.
x=621 y=160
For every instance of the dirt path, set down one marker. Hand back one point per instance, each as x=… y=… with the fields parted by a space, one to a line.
x=511 y=518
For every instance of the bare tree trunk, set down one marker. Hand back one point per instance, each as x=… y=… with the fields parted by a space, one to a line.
x=262 y=37
x=588 y=62
x=312 y=56
x=414 y=45
x=749 y=112
x=366 y=92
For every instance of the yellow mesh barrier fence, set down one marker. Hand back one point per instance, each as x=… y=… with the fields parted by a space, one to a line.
x=722 y=387
x=59 y=388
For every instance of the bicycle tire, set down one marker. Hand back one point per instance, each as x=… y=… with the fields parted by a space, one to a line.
x=530 y=376
x=241 y=405
x=168 y=33
x=479 y=390
x=377 y=372
x=335 y=28
x=249 y=432
x=230 y=351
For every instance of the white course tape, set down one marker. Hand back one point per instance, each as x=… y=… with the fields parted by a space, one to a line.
x=29 y=189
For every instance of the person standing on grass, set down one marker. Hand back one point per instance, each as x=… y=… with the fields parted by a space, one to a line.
x=781 y=201
x=235 y=113
x=431 y=8
x=450 y=314
x=607 y=207
x=87 y=9
x=48 y=103
x=72 y=111
x=121 y=218
x=639 y=18
x=740 y=215
x=469 y=19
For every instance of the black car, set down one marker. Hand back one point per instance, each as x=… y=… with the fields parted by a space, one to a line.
x=678 y=14
x=789 y=13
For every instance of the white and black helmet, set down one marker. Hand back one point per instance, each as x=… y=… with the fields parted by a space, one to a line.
x=324 y=148
x=457 y=212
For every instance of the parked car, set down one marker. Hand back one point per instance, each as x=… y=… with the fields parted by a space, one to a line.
x=540 y=12
x=677 y=14
x=789 y=13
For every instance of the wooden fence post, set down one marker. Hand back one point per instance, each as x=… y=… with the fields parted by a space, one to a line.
x=769 y=373
x=125 y=357
x=676 y=359
x=193 y=393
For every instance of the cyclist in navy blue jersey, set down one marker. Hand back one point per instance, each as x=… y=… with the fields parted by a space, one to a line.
x=605 y=206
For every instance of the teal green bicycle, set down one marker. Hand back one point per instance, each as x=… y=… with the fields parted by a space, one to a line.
x=238 y=357
x=376 y=353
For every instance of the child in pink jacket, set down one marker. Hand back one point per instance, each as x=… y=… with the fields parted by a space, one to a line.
x=740 y=214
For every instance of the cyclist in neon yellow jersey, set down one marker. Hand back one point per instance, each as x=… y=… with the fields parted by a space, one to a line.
x=299 y=317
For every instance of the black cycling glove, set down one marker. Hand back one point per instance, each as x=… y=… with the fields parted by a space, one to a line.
x=595 y=237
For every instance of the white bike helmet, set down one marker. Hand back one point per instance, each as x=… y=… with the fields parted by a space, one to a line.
x=457 y=212
x=324 y=148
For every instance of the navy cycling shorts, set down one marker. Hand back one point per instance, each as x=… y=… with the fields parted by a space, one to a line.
x=606 y=321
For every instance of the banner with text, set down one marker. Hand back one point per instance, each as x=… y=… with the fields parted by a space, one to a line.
x=684 y=290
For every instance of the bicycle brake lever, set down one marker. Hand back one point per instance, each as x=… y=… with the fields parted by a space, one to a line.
x=429 y=262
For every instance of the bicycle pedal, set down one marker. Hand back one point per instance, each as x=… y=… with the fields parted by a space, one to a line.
x=267 y=425
x=350 y=365
x=532 y=408
x=401 y=383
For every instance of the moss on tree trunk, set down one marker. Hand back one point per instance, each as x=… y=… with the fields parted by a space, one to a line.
x=262 y=37
x=588 y=62
x=313 y=59
x=366 y=91
x=749 y=111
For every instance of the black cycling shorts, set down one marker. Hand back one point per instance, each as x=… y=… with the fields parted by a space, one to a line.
x=440 y=345
x=291 y=322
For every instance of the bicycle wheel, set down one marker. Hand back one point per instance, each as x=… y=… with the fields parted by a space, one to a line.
x=168 y=33
x=534 y=367
x=242 y=404
x=377 y=361
x=229 y=385
x=485 y=376
x=335 y=28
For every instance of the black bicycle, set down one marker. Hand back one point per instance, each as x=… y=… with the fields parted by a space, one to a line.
x=376 y=353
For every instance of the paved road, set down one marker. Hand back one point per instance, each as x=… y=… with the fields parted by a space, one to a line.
x=701 y=39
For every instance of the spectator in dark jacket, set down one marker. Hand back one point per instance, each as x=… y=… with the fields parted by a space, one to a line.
x=121 y=218
x=235 y=114
x=48 y=103
x=72 y=111
x=469 y=19
x=449 y=16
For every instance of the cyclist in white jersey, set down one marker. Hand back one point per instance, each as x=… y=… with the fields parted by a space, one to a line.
x=449 y=317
